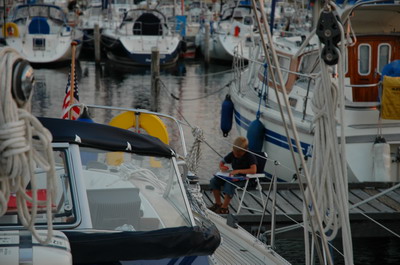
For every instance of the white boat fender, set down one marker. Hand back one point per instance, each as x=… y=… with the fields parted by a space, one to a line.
x=226 y=115
x=381 y=159
x=20 y=247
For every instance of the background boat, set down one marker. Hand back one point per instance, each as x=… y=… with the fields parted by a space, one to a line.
x=233 y=34
x=132 y=41
x=41 y=33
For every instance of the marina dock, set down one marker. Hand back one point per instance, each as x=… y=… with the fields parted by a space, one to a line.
x=364 y=218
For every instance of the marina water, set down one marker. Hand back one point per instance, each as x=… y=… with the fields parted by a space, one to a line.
x=189 y=91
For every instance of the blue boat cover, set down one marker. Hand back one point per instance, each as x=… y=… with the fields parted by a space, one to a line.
x=105 y=137
x=104 y=247
x=39 y=25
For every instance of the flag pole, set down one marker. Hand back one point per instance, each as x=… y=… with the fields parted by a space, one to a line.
x=72 y=79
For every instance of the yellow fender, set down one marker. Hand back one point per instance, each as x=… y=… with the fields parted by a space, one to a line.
x=152 y=124
x=10 y=30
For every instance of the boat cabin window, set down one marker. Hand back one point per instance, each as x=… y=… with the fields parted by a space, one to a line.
x=309 y=63
x=38 y=11
x=63 y=209
x=284 y=64
x=226 y=14
x=364 y=60
x=248 y=21
x=384 y=51
x=20 y=14
x=56 y=14
x=133 y=192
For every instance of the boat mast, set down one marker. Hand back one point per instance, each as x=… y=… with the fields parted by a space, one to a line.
x=316 y=13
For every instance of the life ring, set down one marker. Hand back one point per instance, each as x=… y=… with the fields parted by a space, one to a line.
x=10 y=30
x=152 y=124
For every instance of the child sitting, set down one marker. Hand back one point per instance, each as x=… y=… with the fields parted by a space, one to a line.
x=242 y=163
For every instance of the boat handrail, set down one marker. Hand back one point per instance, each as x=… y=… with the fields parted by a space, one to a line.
x=311 y=76
x=177 y=122
x=363 y=85
x=352 y=104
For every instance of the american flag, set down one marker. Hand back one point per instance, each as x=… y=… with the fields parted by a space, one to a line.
x=75 y=111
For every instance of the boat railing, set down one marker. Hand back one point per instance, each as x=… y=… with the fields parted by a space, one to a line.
x=363 y=85
x=362 y=105
x=374 y=104
x=178 y=124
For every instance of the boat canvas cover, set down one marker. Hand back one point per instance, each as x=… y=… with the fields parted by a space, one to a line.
x=391 y=98
x=147 y=24
x=101 y=246
x=105 y=137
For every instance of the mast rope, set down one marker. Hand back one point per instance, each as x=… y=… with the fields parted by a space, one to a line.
x=328 y=161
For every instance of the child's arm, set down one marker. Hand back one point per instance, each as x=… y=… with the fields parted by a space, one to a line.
x=251 y=170
x=222 y=166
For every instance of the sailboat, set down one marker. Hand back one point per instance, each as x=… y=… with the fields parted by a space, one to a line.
x=141 y=30
x=93 y=14
x=372 y=141
x=234 y=34
x=40 y=32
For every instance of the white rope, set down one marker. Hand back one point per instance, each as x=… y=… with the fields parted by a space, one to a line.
x=194 y=155
x=328 y=164
x=24 y=145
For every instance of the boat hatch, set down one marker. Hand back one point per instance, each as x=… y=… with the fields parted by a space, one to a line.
x=148 y=24
x=39 y=44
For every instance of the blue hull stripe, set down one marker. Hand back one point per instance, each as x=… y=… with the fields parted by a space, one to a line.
x=271 y=136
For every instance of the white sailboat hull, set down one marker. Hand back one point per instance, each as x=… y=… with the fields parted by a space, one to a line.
x=58 y=49
x=361 y=125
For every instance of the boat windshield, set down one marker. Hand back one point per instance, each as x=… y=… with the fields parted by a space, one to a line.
x=62 y=210
x=133 y=192
x=51 y=12
x=124 y=191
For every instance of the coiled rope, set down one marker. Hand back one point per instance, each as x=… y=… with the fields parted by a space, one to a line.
x=328 y=164
x=24 y=145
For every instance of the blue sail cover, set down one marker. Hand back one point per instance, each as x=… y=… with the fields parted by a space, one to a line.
x=92 y=247
x=105 y=137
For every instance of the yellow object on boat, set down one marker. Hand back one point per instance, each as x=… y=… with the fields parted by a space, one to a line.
x=10 y=30
x=390 y=105
x=150 y=123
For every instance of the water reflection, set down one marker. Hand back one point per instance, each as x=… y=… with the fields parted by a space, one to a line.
x=189 y=91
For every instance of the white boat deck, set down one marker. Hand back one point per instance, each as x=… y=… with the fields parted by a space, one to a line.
x=230 y=252
x=240 y=247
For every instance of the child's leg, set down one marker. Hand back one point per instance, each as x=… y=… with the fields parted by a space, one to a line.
x=229 y=191
x=216 y=184
x=217 y=196
x=227 y=200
